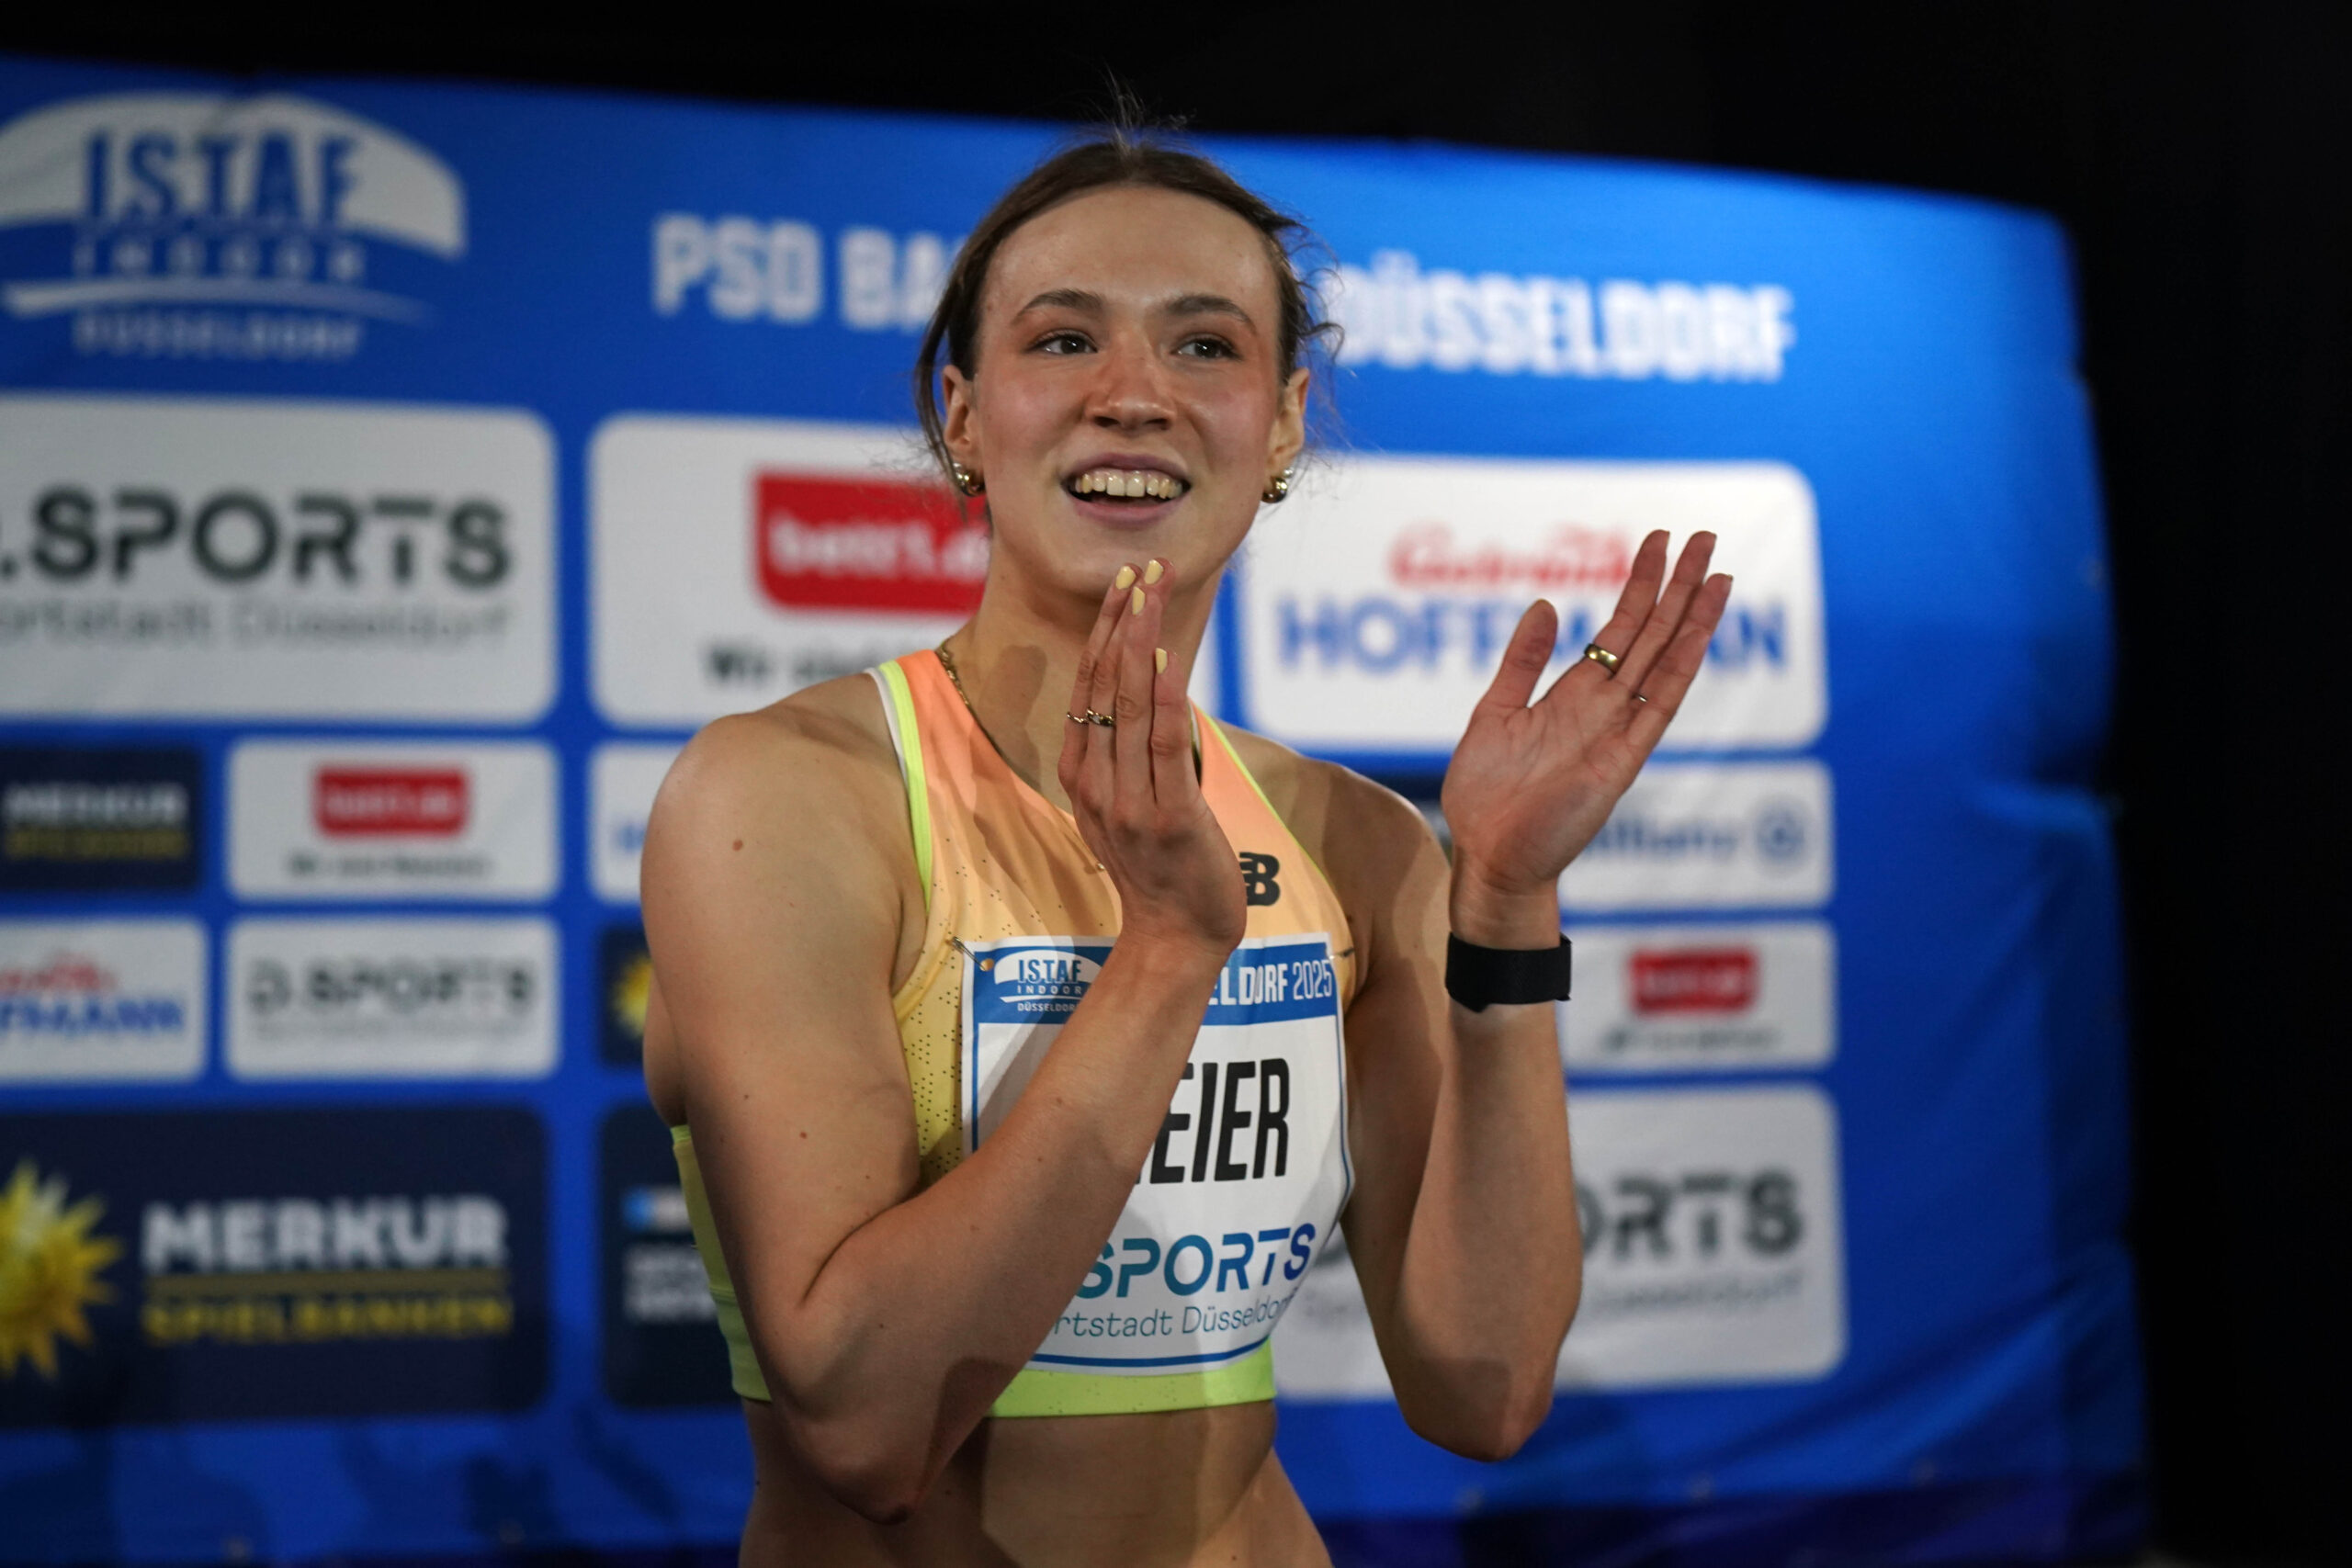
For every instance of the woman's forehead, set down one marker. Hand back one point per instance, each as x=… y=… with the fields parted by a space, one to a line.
x=1134 y=246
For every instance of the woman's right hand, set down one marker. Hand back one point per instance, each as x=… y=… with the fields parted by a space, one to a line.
x=1131 y=783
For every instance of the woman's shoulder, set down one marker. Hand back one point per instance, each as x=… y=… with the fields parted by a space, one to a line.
x=1359 y=831
x=821 y=756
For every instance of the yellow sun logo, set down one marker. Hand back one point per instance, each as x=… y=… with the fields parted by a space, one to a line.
x=632 y=988
x=50 y=1265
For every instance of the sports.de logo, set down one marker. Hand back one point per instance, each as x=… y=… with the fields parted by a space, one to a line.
x=846 y=544
x=1692 y=980
x=390 y=802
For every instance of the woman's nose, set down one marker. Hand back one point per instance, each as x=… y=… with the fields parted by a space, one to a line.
x=1129 y=391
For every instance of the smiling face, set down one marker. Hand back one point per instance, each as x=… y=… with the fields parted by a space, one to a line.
x=1128 y=399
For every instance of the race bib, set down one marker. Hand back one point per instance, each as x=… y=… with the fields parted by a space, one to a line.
x=1247 y=1178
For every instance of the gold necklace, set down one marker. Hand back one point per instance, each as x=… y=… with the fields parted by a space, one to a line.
x=955 y=679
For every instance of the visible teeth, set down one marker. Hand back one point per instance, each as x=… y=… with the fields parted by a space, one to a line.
x=1128 y=484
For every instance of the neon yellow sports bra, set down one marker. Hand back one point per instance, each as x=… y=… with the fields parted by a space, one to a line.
x=1247 y=1179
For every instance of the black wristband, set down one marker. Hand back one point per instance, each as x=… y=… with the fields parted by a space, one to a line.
x=1479 y=978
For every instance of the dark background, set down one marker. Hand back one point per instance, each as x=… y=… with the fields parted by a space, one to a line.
x=2201 y=159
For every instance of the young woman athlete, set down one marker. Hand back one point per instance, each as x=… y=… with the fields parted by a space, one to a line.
x=998 y=1213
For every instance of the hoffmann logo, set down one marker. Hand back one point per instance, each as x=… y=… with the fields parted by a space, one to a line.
x=829 y=543
x=404 y=802
x=101 y=1000
x=1375 y=616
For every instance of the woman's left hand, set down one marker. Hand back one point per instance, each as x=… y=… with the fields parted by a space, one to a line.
x=1531 y=784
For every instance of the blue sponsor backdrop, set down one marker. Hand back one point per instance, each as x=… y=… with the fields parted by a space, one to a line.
x=1911 y=357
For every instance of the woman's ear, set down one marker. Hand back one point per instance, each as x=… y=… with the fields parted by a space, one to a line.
x=1288 y=437
x=956 y=418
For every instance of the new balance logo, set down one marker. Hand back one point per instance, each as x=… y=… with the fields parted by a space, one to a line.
x=1258 y=885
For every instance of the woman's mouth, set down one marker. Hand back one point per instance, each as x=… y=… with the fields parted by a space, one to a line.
x=1140 y=487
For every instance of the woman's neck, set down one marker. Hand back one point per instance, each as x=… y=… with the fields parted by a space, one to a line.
x=1016 y=661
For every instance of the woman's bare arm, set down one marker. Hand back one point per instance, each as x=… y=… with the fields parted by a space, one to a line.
x=1463 y=1227
x=1463 y=1224
x=887 y=1321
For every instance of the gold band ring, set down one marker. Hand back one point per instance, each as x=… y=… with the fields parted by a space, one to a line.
x=1104 y=719
x=1601 y=656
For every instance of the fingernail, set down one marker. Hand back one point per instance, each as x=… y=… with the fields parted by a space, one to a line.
x=1135 y=599
x=1126 y=576
x=1159 y=659
x=1152 y=569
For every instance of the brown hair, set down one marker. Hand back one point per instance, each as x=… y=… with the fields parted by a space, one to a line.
x=1118 y=155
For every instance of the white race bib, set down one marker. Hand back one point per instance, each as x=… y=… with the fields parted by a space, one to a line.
x=1247 y=1176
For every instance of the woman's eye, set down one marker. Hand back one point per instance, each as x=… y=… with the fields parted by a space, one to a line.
x=1063 y=342
x=1206 y=348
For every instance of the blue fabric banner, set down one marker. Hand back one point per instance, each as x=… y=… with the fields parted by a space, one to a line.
x=392 y=475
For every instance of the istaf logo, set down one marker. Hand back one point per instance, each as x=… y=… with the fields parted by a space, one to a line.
x=362 y=802
x=1692 y=980
x=830 y=543
x=209 y=226
x=1043 y=972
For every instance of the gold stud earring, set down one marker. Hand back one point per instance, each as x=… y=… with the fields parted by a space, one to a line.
x=967 y=481
x=1277 y=489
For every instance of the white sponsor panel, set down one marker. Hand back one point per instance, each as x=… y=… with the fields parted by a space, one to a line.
x=1695 y=997
x=102 y=1001
x=224 y=557
x=391 y=998
x=1714 y=1245
x=1712 y=835
x=375 y=820
x=736 y=560
x=1379 y=600
x=623 y=779
x=1714 y=1251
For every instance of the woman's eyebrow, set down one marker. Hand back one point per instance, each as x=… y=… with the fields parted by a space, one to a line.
x=1065 y=299
x=1208 y=305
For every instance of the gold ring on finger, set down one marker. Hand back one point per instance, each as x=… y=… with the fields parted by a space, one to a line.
x=1104 y=719
x=1602 y=657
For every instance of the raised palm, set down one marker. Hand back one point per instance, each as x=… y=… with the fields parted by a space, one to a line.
x=1531 y=783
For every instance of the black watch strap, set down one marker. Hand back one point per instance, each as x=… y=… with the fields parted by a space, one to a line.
x=1479 y=978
